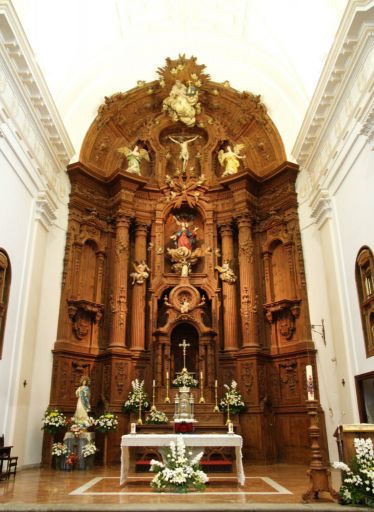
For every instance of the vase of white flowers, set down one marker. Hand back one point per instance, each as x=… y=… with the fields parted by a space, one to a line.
x=59 y=450
x=106 y=422
x=156 y=417
x=185 y=380
x=358 y=479
x=54 y=421
x=232 y=401
x=180 y=472
x=88 y=454
x=137 y=397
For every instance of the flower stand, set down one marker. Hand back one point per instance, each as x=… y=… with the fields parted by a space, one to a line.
x=75 y=445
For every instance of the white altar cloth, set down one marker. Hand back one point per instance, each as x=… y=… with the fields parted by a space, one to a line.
x=193 y=440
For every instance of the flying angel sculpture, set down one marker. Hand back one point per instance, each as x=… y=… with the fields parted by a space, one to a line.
x=134 y=157
x=230 y=159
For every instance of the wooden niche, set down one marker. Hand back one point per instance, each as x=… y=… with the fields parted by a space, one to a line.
x=183 y=224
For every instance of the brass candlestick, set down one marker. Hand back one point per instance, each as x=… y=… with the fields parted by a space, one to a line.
x=228 y=421
x=139 y=422
x=202 y=399
x=167 y=398
x=216 y=408
x=153 y=408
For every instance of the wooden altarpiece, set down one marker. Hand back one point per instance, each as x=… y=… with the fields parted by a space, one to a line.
x=183 y=224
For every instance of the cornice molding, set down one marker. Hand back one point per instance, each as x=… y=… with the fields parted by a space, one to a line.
x=343 y=98
x=45 y=209
x=27 y=107
x=321 y=207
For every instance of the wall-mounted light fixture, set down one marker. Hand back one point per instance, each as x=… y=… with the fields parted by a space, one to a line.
x=320 y=329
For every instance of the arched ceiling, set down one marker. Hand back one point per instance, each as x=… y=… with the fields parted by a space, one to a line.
x=89 y=49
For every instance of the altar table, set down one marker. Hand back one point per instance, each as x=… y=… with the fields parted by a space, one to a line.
x=193 y=440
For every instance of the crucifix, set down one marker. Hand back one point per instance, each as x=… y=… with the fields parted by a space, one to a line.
x=184 y=345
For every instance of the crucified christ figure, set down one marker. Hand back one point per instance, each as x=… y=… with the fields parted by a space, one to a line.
x=184 y=155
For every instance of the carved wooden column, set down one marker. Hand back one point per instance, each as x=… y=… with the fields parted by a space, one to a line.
x=139 y=291
x=248 y=308
x=120 y=278
x=230 y=303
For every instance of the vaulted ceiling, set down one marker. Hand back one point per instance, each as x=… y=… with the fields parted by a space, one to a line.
x=89 y=49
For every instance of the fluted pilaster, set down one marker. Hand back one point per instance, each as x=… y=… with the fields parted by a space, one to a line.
x=248 y=297
x=230 y=302
x=120 y=278
x=139 y=291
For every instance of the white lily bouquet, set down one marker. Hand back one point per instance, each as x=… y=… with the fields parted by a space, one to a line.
x=136 y=396
x=180 y=472
x=358 y=480
x=232 y=399
x=156 y=416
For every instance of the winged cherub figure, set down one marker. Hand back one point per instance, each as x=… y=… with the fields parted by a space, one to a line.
x=230 y=159
x=141 y=272
x=134 y=157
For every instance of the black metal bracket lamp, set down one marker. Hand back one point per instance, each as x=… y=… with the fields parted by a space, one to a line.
x=320 y=329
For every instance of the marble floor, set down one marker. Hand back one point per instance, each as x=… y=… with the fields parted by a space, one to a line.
x=270 y=487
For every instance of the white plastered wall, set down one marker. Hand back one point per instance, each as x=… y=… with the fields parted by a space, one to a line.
x=34 y=151
x=335 y=152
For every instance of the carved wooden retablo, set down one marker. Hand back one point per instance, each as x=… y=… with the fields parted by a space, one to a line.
x=183 y=224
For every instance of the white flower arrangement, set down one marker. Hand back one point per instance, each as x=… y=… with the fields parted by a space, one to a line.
x=180 y=472
x=59 y=449
x=106 y=422
x=156 y=416
x=89 y=449
x=232 y=399
x=136 y=396
x=358 y=481
x=185 y=379
x=53 y=421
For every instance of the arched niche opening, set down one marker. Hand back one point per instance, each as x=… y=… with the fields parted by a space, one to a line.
x=184 y=331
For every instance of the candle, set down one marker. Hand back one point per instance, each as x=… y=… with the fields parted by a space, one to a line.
x=309 y=381
x=201 y=375
x=215 y=384
x=167 y=375
x=153 y=383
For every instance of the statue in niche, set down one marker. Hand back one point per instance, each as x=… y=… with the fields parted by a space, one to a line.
x=185 y=305
x=184 y=254
x=184 y=154
x=230 y=160
x=141 y=272
x=134 y=157
x=226 y=273
x=184 y=237
x=182 y=103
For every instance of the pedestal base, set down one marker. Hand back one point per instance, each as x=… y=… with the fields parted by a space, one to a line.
x=320 y=481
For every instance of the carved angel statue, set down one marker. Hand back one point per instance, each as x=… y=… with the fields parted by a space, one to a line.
x=185 y=305
x=134 y=157
x=141 y=272
x=230 y=159
x=226 y=273
x=182 y=103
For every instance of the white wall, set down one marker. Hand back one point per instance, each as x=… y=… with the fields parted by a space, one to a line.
x=335 y=191
x=34 y=151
